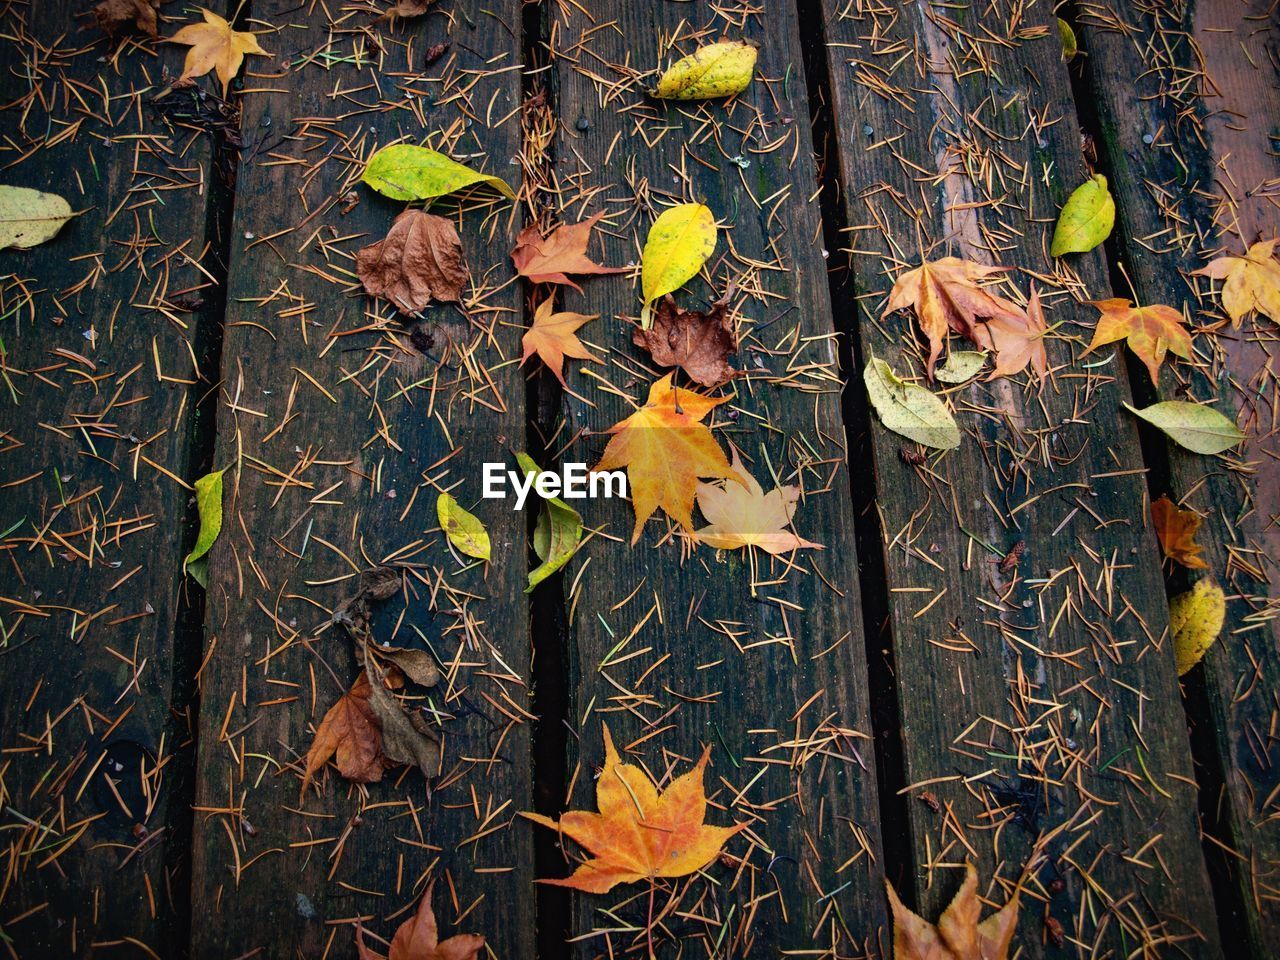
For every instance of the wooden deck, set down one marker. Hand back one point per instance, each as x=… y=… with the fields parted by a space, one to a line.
x=978 y=667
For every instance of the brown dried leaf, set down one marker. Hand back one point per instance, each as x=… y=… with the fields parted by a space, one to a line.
x=406 y=735
x=410 y=8
x=420 y=260
x=350 y=732
x=1176 y=530
x=114 y=16
x=550 y=259
x=698 y=343
x=958 y=934
x=418 y=938
x=418 y=665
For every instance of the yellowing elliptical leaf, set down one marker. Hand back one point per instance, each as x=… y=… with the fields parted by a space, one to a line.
x=557 y=533
x=209 y=508
x=1199 y=428
x=716 y=70
x=30 y=217
x=909 y=409
x=405 y=171
x=464 y=530
x=679 y=243
x=1087 y=218
x=1196 y=620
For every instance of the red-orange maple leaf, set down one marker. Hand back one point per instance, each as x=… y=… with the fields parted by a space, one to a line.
x=1176 y=529
x=550 y=259
x=639 y=833
x=553 y=337
x=1151 y=331
x=350 y=731
x=418 y=938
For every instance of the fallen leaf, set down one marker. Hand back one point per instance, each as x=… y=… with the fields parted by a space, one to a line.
x=209 y=510
x=717 y=70
x=679 y=243
x=1086 y=219
x=1070 y=47
x=349 y=733
x=1151 y=331
x=556 y=534
x=215 y=46
x=419 y=260
x=410 y=8
x=908 y=408
x=30 y=217
x=553 y=336
x=464 y=530
x=418 y=665
x=1176 y=530
x=1018 y=340
x=1196 y=619
x=407 y=737
x=666 y=448
x=947 y=296
x=961 y=366
x=405 y=171
x=113 y=16
x=640 y=833
x=742 y=515
x=1252 y=281
x=958 y=934
x=354 y=613
x=552 y=258
x=696 y=342
x=1199 y=428
x=418 y=938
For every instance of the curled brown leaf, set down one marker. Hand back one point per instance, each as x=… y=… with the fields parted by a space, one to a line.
x=698 y=343
x=419 y=260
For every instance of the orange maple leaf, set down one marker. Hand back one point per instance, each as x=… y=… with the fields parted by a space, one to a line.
x=550 y=259
x=215 y=46
x=350 y=731
x=947 y=296
x=639 y=833
x=958 y=934
x=1017 y=340
x=418 y=938
x=553 y=336
x=1176 y=529
x=743 y=515
x=666 y=449
x=1152 y=331
x=1252 y=281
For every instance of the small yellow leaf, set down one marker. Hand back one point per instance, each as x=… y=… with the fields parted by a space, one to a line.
x=215 y=46
x=716 y=70
x=1068 y=37
x=464 y=530
x=1196 y=620
x=1087 y=218
x=679 y=243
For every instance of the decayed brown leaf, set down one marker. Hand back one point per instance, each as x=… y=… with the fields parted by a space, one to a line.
x=410 y=8
x=958 y=935
x=696 y=342
x=351 y=733
x=553 y=336
x=742 y=515
x=418 y=938
x=639 y=833
x=215 y=46
x=418 y=261
x=551 y=259
x=114 y=16
x=1252 y=281
x=1176 y=529
x=1151 y=331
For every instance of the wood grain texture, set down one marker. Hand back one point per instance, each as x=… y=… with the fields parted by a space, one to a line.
x=103 y=366
x=340 y=423
x=1039 y=705
x=1193 y=162
x=675 y=648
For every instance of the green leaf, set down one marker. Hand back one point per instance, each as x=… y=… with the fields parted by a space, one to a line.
x=30 y=217
x=1086 y=220
x=909 y=409
x=961 y=366
x=555 y=536
x=404 y=171
x=209 y=507
x=1068 y=37
x=679 y=243
x=1199 y=428
x=464 y=530
x=1196 y=619
x=717 y=70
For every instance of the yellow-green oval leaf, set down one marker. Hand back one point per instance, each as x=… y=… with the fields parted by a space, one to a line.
x=557 y=533
x=464 y=530
x=909 y=409
x=1196 y=620
x=30 y=217
x=404 y=171
x=716 y=70
x=679 y=243
x=209 y=508
x=1086 y=220
x=1199 y=428
x=961 y=366
x=1068 y=37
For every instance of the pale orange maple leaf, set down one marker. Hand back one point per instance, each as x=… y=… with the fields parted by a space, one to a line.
x=639 y=833
x=667 y=449
x=1151 y=331
x=1017 y=339
x=550 y=259
x=1176 y=530
x=743 y=515
x=418 y=938
x=958 y=934
x=553 y=336
x=1252 y=281
x=215 y=46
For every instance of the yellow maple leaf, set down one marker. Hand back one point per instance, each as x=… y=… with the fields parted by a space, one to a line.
x=1151 y=331
x=1251 y=282
x=667 y=449
x=553 y=336
x=958 y=934
x=743 y=515
x=215 y=46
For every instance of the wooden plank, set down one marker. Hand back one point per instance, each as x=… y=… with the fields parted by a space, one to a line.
x=340 y=421
x=762 y=661
x=1193 y=163
x=1039 y=704
x=103 y=367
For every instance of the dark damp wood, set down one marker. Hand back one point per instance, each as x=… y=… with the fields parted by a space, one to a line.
x=105 y=339
x=1191 y=153
x=340 y=421
x=673 y=648
x=1040 y=714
